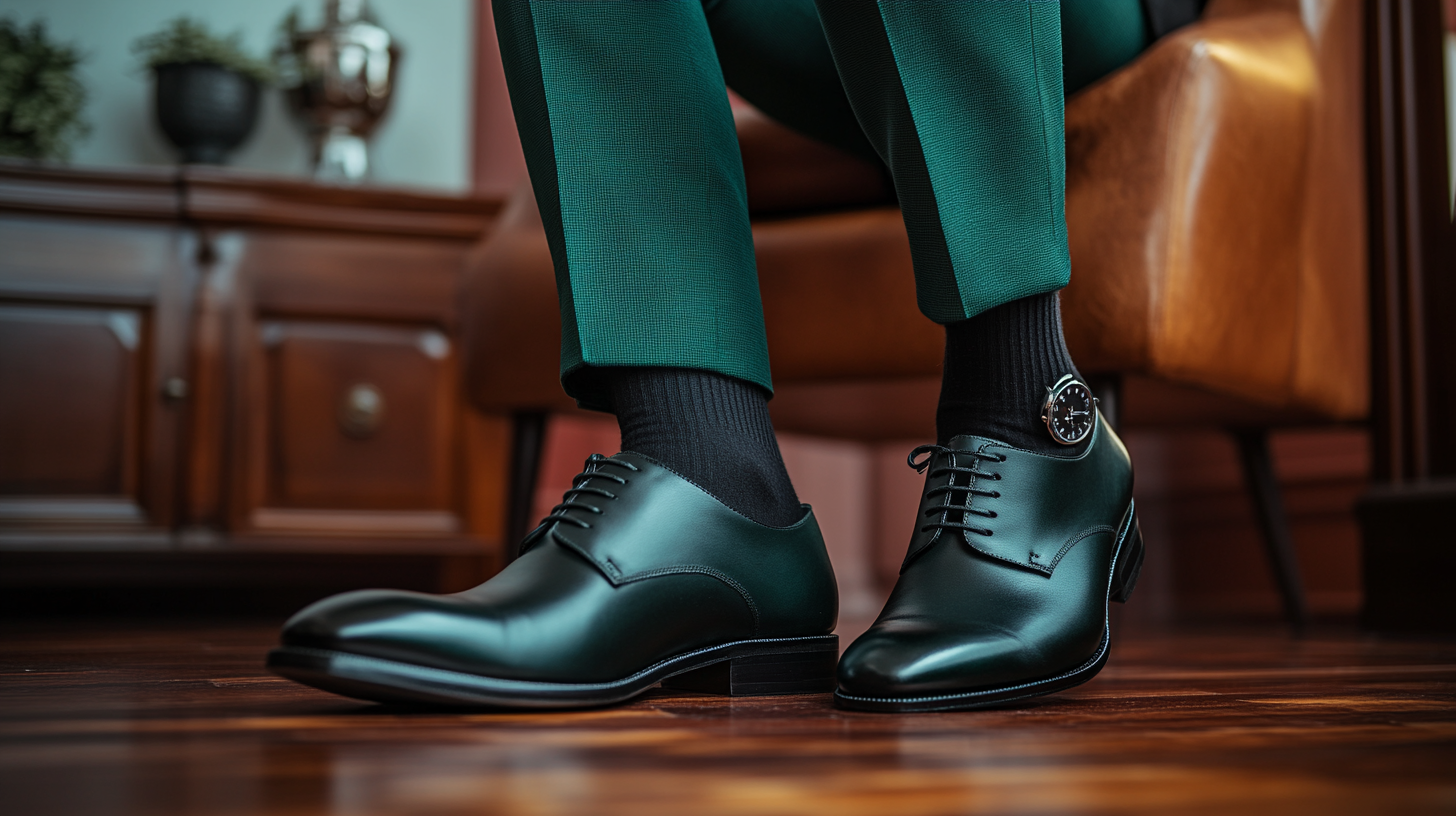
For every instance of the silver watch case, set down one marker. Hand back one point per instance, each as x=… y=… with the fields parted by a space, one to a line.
x=1054 y=393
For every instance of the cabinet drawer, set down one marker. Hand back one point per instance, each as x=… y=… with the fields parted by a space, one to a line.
x=356 y=417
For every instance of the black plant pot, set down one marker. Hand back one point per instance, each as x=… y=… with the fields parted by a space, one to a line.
x=206 y=110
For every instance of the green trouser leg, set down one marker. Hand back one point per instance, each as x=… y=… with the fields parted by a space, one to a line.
x=963 y=100
x=630 y=143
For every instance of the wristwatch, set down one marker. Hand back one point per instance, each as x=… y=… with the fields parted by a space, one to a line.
x=1070 y=410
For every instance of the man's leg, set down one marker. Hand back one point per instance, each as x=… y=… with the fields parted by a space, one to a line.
x=1026 y=527
x=999 y=362
x=963 y=100
x=632 y=152
x=641 y=574
x=588 y=98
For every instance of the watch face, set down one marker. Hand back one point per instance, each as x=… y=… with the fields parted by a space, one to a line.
x=1071 y=412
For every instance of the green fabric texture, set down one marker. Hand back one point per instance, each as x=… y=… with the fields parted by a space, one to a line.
x=774 y=54
x=656 y=253
x=984 y=82
x=1098 y=37
x=629 y=139
x=871 y=77
x=520 y=55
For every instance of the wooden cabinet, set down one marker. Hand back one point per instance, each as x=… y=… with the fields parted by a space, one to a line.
x=196 y=359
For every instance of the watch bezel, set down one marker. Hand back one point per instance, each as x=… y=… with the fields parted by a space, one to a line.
x=1055 y=390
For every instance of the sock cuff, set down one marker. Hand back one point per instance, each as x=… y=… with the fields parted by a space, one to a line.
x=711 y=428
x=998 y=366
x=713 y=401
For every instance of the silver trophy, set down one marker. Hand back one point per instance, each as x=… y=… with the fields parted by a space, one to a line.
x=339 y=80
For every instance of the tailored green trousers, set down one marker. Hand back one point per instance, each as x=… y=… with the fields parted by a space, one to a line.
x=629 y=139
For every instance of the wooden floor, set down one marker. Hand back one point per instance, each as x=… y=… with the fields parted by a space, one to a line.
x=126 y=718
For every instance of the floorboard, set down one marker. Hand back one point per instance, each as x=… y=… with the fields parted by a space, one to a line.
x=101 y=718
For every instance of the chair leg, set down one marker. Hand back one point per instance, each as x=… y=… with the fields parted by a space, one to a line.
x=528 y=432
x=1274 y=522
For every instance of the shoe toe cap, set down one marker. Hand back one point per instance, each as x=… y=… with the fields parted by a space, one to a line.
x=362 y=617
x=908 y=660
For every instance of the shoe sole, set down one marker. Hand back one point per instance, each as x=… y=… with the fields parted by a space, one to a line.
x=1127 y=563
x=769 y=666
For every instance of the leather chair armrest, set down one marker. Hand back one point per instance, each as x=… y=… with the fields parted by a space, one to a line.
x=1185 y=194
x=512 y=325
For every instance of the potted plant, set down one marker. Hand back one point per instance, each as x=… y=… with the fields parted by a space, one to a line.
x=206 y=87
x=40 y=97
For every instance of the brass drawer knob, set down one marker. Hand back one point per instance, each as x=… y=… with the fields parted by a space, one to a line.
x=361 y=411
x=175 y=389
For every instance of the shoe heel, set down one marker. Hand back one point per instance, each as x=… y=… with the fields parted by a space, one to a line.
x=796 y=668
x=1129 y=564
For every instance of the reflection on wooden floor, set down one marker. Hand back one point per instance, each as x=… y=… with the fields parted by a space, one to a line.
x=116 y=718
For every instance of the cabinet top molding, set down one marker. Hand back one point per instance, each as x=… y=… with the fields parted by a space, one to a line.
x=218 y=197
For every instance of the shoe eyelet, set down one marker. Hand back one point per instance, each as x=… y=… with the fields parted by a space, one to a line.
x=995 y=494
x=996 y=476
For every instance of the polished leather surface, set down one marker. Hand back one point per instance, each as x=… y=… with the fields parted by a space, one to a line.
x=973 y=611
x=1215 y=210
x=663 y=569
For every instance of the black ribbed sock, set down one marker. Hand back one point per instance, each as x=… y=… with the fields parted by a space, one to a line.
x=715 y=430
x=998 y=367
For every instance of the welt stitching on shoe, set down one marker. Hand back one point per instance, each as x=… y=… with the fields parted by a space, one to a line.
x=1034 y=684
x=1073 y=541
x=446 y=675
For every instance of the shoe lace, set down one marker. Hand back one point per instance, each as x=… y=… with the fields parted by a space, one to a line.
x=951 y=489
x=581 y=485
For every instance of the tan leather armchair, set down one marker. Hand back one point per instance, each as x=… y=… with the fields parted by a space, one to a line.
x=1215 y=208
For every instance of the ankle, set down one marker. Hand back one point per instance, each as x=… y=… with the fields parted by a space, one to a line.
x=713 y=430
x=999 y=367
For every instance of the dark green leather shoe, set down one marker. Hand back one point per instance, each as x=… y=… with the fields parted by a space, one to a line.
x=637 y=577
x=1003 y=594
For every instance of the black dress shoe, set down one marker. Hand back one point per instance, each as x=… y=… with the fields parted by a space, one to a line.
x=637 y=577
x=1003 y=594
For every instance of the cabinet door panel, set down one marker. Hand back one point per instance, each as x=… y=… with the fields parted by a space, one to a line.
x=93 y=322
x=360 y=418
x=69 y=385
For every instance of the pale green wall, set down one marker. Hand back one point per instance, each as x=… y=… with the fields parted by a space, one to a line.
x=425 y=141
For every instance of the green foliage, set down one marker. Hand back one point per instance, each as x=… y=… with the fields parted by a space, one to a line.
x=188 y=40
x=40 y=97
